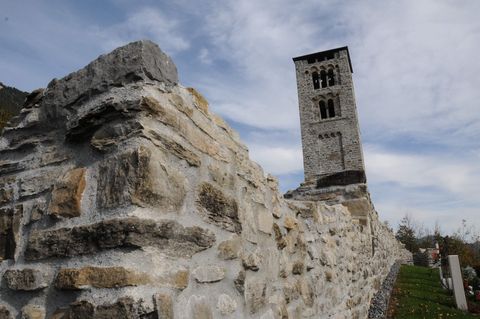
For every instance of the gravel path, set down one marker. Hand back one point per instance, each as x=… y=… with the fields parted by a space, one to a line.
x=379 y=304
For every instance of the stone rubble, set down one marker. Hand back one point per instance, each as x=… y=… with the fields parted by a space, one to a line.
x=123 y=196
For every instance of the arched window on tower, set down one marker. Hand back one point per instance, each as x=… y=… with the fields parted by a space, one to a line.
x=323 y=110
x=331 y=108
x=323 y=78
x=331 y=77
x=316 y=80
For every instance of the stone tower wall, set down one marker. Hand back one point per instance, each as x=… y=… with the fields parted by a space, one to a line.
x=329 y=145
x=123 y=196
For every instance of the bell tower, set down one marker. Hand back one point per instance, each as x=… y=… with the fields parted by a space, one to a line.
x=332 y=152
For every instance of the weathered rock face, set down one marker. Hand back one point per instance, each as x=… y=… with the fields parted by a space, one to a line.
x=122 y=196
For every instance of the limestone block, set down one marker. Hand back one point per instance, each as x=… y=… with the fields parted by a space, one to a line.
x=199 y=100
x=140 y=60
x=140 y=177
x=229 y=249
x=290 y=290
x=110 y=134
x=358 y=207
x=255 y=294
x=168 y=235
x=163 y=305
x=38 y=181
x=290 y=223
x=306 y=292
x=98 y=277
x=226 y=305
x=53 y=155
x=252 y=261
x=33 y=312
x=199 y=308
x=176 y=148
x=221 y=175
x=208 y=273
x=26 y=279
x=264 y=219
x=176 y=279
x=67 y=194
x=217 y=208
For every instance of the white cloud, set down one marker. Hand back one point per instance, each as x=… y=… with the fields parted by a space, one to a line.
x=416 y=78
x=459 y=176
x=277 y=160
x=204 y=56
x=145 y=22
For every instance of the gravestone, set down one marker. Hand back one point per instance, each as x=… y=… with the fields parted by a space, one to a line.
x=456 y=274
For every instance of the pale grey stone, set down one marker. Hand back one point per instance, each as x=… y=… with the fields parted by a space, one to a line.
x=208 y=273
x=136 y=61
x=226 y=305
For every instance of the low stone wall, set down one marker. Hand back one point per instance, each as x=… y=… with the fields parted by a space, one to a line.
x=123 y=196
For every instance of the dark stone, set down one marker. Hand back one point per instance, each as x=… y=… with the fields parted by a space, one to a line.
x=136 y=61
x=5 y=313
x=297 y=268
x=219 y=209
x=113 y=132
x=25 y=279
x=132 y=233
x=81 y=310
x=9 y=228
x=124 y=308
x=239 y=282
x=281 y=243
x=33 y=98
x=341 y=179
x=82 y=128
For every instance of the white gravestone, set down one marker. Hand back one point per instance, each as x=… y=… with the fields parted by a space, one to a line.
x=456 y=274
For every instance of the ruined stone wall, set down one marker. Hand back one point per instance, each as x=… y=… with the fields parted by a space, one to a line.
x=123 y=196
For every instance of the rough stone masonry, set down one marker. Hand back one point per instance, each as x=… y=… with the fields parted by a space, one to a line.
x=123 y=196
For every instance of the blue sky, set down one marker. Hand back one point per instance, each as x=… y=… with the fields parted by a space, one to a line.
x=416 y=76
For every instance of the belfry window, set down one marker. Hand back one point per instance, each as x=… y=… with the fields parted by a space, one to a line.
x=316 y=81
x=323 y=78
x=331 y=77
x=323 y=110
x=331 y=108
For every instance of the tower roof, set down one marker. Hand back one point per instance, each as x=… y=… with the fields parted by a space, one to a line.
x=323 y=54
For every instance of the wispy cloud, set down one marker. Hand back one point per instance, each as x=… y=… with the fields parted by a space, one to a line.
x=145 y=23
x=415 y=64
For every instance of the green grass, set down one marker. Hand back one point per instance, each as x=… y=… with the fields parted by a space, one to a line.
x=418 y=294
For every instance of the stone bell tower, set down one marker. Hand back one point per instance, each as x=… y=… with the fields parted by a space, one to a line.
x=332 y=152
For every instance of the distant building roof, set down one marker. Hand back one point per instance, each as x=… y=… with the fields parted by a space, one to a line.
x=323 y=54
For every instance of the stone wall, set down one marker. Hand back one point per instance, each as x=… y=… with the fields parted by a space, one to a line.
x=123 y=196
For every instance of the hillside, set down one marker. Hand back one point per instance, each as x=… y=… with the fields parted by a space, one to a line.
x=11 y=100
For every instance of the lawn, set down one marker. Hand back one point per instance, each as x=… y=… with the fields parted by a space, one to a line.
x=418 y=294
